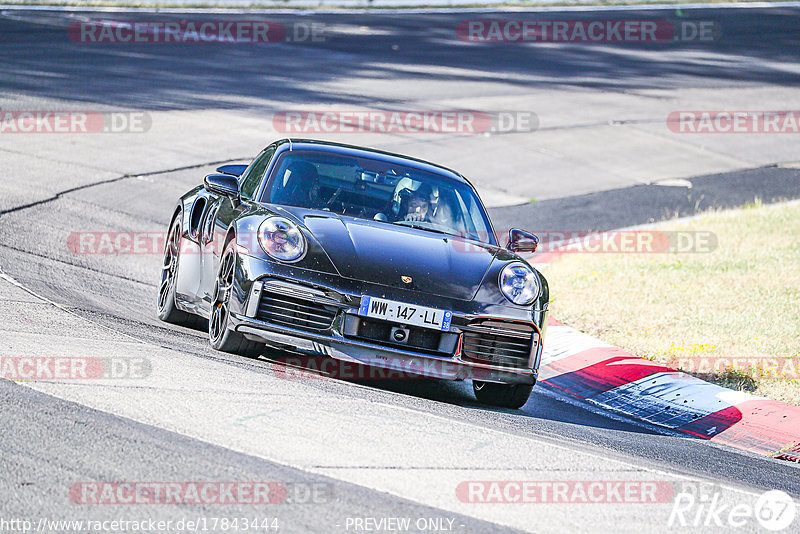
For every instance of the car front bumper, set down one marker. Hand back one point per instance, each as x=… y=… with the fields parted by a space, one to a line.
x=361 y=352
x=339 y=340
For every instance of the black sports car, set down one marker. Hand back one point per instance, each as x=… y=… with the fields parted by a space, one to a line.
x=362 y=256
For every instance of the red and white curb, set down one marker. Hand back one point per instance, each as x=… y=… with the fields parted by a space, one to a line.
x=580 y=367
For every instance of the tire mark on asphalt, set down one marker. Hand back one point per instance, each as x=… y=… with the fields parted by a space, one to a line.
x=111 y=181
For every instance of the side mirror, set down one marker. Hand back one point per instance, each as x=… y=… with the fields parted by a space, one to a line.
x=233 y=170
x=521 y=241
x=222 y=184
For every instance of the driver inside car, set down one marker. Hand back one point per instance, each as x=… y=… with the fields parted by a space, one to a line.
x=418 y=206
x=411 y=201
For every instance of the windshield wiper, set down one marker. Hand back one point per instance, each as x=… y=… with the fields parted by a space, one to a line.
x=426 y=228
x=419 y=227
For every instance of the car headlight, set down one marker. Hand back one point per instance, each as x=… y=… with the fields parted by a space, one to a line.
x=519 y=283
x=281 y=239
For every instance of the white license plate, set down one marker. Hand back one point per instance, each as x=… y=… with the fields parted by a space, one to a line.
x=401 y=312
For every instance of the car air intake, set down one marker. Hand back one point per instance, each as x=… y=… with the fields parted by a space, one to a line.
x=418 y=338
x=505 y=343
x=295 y=311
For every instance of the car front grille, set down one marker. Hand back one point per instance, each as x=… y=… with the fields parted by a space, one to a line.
x=505 y=343
x=380 y=331
x=294 y=311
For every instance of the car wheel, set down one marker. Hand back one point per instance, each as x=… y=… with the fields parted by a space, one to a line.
x=505 y=395
x=221 y=336
x=167 y=310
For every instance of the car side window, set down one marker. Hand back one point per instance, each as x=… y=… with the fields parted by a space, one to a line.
x=252 y=178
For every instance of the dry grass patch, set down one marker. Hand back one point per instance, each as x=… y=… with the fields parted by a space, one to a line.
x=731 y=316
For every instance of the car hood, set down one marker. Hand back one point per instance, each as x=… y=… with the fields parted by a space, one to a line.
x=382 y=253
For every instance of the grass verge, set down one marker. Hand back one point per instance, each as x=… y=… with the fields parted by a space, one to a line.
x=731 y=316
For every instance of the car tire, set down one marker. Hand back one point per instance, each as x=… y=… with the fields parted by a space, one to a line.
x=503 y=395
x=220 y=335
x=167 y=309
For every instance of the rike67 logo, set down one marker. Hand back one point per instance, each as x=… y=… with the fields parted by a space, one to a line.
x=703 y=506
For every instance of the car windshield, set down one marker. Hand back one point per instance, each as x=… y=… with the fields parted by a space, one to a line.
x=380 y=190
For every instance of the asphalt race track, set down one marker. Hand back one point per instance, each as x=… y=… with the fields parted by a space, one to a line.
x=346 y=449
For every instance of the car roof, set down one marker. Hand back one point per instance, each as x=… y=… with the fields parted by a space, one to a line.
x=357 y=151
